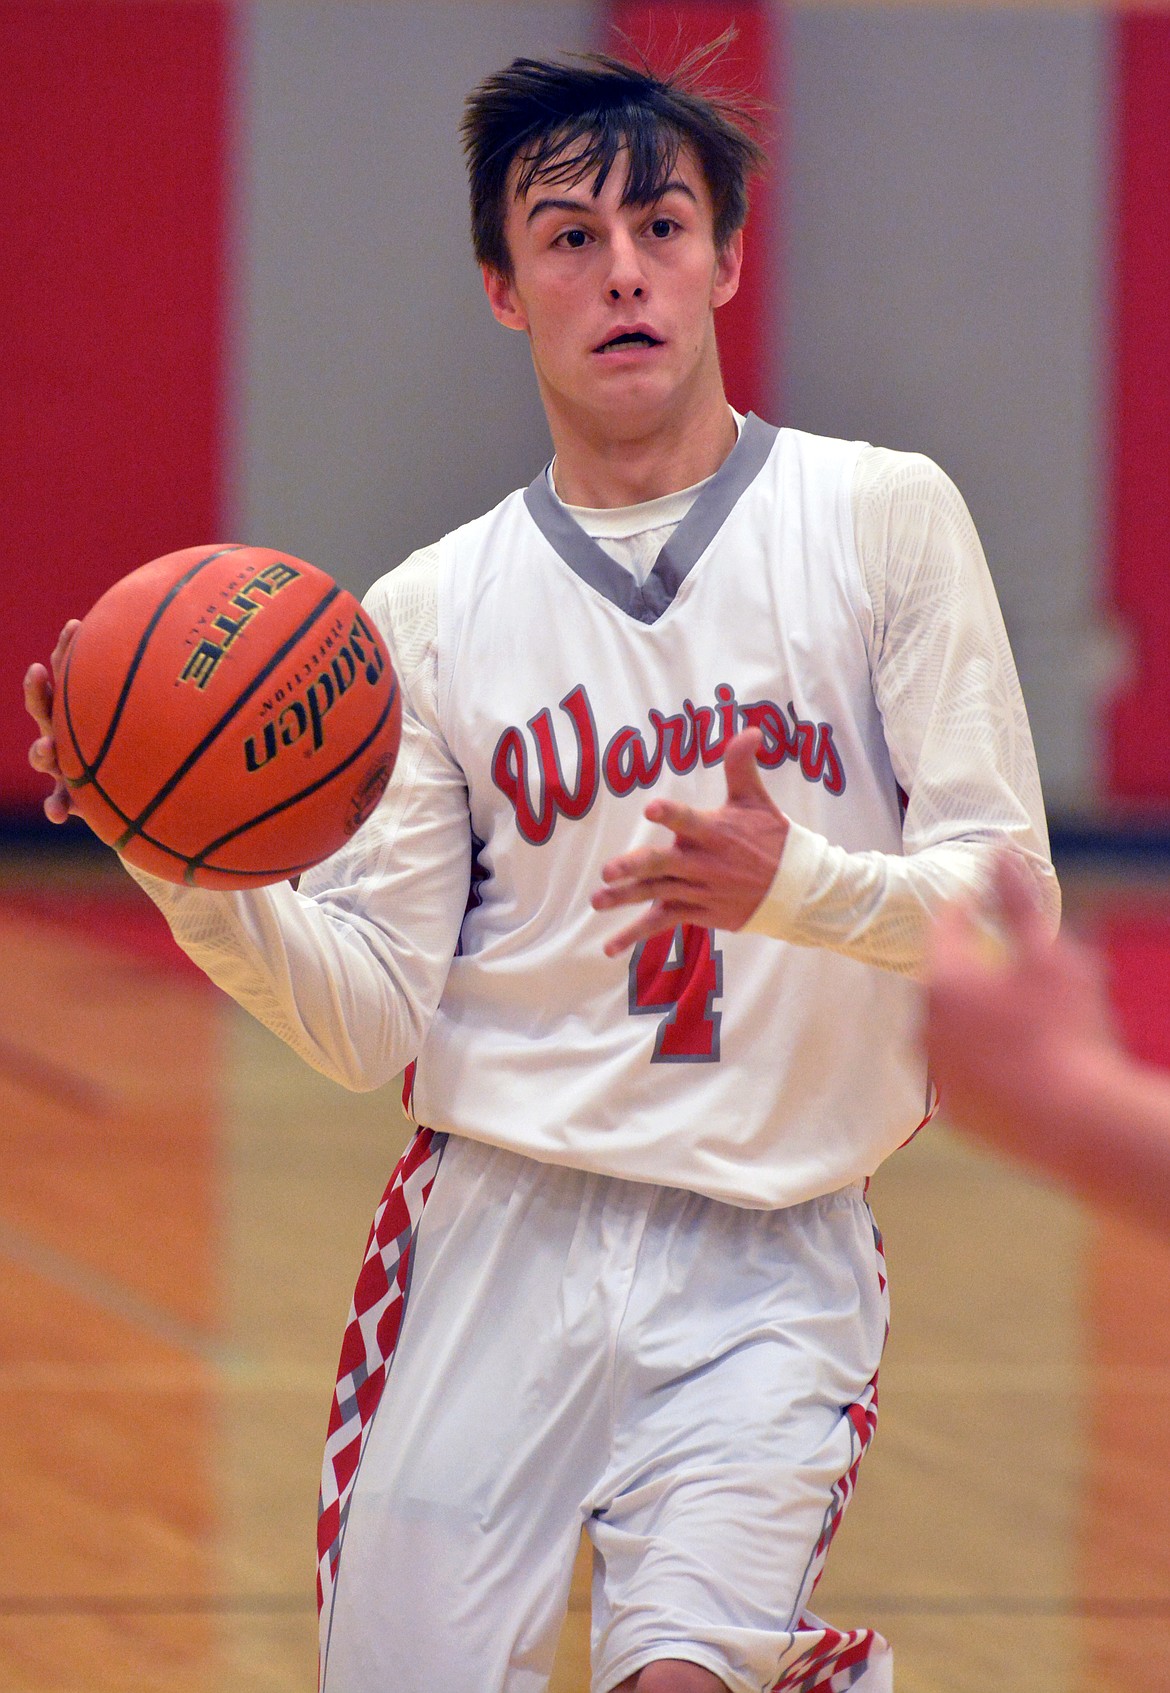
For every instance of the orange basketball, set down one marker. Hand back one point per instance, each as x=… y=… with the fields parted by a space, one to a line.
x=227 y=716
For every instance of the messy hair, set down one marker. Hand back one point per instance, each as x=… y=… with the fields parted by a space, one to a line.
x=566 y=119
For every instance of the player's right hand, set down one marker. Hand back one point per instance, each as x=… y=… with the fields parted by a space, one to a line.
x=39 y=684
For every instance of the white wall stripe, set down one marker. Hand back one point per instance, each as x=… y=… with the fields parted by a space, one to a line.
x=946 y=206
x=377 y=403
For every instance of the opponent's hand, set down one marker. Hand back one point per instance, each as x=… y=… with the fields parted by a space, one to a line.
x=39 y=685
x=718 y=867
x=1009 y=1020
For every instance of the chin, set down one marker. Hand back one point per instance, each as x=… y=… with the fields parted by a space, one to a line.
x=635 y=388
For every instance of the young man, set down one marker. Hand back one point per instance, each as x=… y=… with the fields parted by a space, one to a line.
x=626 y=1275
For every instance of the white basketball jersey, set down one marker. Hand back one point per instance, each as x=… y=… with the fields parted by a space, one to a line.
x=735 y=1065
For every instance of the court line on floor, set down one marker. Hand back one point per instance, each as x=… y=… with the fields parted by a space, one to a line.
x=909 y=1381
x=999 y=1606
x=255 y=1372
x=37 y=1074
x=238 y=1374
x=261 y=1604
x=111 y=1297
x=183 y=1604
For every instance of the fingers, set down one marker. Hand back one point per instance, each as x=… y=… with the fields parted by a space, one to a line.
x=646 y=863
x=740 y=768
x=38 y=700
x=39 y=686
x=64 y=642
x=660 y=918
x=42 y=755
x=1016 y=902
x=951 y=935
x=685 y=877
x=1012 y=921
x=38 y=697
x=744 y=786
x=960 y=946
x=683 y=895
x=693 y=827
x=40 y=680
x=57 y=807
x=715 y=870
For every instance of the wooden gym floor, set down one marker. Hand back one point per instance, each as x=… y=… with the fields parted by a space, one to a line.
x=182 y=1210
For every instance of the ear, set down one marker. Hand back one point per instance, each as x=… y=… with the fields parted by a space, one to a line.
x=503 y=299
x=728 y=265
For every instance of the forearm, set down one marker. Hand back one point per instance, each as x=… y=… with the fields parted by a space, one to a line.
x=352 y=1005
x=877 y=907
x=955 y=729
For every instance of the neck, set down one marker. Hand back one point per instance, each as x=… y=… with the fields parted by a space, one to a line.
x=608 y=464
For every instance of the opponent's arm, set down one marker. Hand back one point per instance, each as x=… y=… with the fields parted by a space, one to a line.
x=1021 y=1043
x=348 y=968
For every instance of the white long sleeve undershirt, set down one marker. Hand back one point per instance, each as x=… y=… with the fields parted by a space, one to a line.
x=348 y=970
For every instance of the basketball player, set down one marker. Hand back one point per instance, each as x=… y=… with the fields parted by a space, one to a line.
x=699 y=730
x=1022 y=1047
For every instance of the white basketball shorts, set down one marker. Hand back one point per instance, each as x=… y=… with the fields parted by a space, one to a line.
x=535 y=1348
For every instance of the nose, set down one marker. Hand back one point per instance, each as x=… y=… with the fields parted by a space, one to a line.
x=627 y=278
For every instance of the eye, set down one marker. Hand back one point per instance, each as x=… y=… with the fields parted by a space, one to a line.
x=573 y=238
x=662 y=227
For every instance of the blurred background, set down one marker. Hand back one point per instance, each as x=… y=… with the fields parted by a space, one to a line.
x=237 y=302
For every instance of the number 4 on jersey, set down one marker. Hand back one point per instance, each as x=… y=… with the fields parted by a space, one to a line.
x=680 y=974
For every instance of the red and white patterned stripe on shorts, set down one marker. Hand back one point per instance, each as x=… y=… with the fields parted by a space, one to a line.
x=367 y=1351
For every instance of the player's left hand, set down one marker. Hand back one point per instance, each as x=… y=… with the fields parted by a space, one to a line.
x=718 y=867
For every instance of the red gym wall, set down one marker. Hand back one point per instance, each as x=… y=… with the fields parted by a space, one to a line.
x=1139 y=727
x=114 y=153
x=129 y=131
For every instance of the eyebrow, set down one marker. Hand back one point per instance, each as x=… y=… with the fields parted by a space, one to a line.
x=674 y=186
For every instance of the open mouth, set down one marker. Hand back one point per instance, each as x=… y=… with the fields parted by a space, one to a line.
x=628 y=338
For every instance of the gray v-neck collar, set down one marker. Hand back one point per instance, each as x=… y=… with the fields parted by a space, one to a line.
x=712 y=507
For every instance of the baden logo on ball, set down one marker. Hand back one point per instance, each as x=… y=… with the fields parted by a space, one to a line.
x=228 y=716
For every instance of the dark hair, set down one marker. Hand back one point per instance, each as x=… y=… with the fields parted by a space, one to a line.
x=567 y=118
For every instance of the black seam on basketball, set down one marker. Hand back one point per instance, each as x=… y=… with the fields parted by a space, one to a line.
x=199 y=860
x=90 y=779
x=275 y=874
x=185 y=859
x=72 y=781
x=90 y=770
x=233 y=710
x=171 y=852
